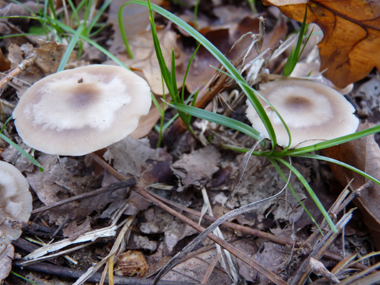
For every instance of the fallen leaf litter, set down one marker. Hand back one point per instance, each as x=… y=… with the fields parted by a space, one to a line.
x=178 y=176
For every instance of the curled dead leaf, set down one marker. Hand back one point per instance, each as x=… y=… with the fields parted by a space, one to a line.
x=351 y=35
x=132 y=263
x=363 y=154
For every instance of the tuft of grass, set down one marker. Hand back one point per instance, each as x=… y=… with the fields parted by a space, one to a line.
x=54 y=29
x=82 y=33
x=295 y=54
x=234 y=74
x=251 y=95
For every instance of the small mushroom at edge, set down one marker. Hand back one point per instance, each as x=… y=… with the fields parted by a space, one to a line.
x=78 y=111
x=312 y=111
x=15 y=203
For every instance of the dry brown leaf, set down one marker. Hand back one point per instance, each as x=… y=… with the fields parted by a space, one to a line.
x=73 y=231
x=351 y=41
x=200 y=71
x=66 y=177
x=129 y=156
x=159 y=221
x=48 y=57
x=147 y=122
x=141 y=242
x=4 y=62
x=192 y=270
x=6 y=257
x=198 y=167
x=363 y=154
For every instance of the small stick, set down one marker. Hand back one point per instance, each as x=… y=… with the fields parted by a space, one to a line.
x=239 y=254
x=114 y=186
x=248 y=230
x=107 y=167
x=210 y=269
x=75 y=274
x=242 y=256
x=304 y=271
x=21 y=67
x=234 y=226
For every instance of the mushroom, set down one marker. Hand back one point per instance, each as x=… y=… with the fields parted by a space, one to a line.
x=312 y=111
x=15 y=203
x=310 y=71
x=78 y=111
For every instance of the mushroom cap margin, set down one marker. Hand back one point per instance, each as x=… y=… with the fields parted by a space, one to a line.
x=319 y=122
x=41 y=132
x=15 y=202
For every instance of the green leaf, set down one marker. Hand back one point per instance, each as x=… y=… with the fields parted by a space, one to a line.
x=219 y=119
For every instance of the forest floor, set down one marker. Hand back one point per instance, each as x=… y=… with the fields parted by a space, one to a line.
x=179 y=185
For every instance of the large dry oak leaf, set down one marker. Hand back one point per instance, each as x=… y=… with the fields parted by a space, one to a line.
x=364 y=154
x=351 y=44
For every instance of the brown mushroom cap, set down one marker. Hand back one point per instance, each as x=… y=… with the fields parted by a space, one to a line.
x=15 y=202
x=78 y=111
x=312 y=111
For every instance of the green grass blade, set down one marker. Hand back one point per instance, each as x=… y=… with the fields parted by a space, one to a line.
x=5 y=124
x=196 y=13
x=52 y=9
x=220 y=57
x=187 y=72
x=161 y=60
x=155 y=102
x=332 y=160
x=243 y=150
x=45 y=7
x=24 y=278
x=87 y=10
x=101 y=28
x=81 y=5
x=270 y=105
x=122 y=31
x=173 y=77
x=296 y=54
x=294 y=193
x=331 y=143
x=170 y=122
x=219 y=119
x=97 y=16
x=74 y=11
x=169 y=77
x=23 y=152
x=70 y=48
x=310 y=191
x=91 y=42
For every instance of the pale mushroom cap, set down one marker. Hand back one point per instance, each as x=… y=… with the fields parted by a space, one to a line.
x=78 y=111
x=15 y=202
x=312 y=111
